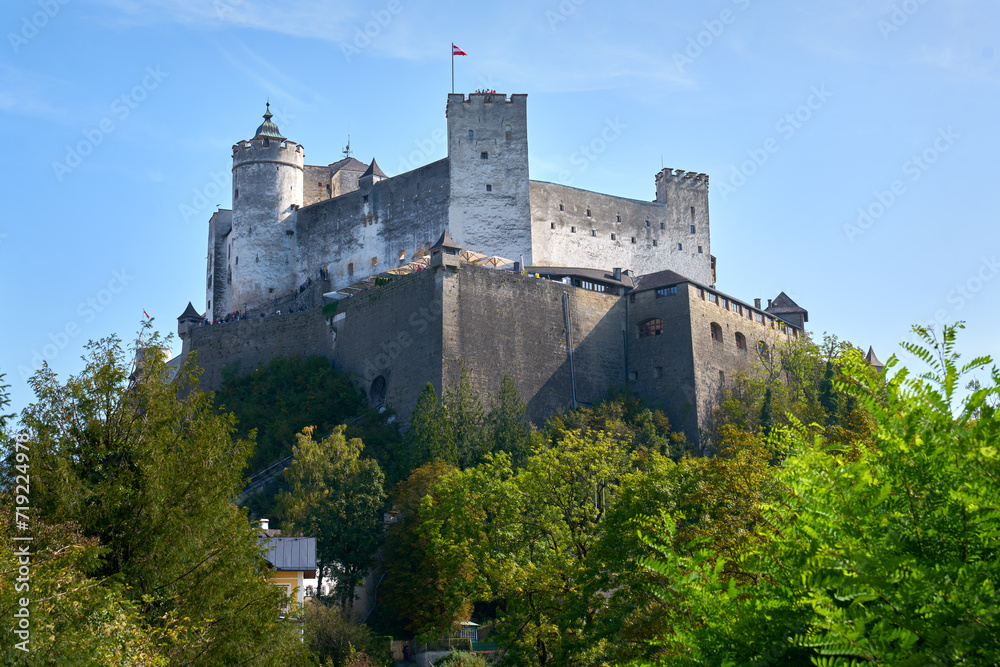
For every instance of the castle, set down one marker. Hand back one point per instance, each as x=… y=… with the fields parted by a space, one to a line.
x=569 y=292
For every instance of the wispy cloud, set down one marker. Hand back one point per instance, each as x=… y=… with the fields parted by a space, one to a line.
x=28 y=93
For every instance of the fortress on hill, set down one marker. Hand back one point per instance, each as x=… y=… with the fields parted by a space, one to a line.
x=466 y=261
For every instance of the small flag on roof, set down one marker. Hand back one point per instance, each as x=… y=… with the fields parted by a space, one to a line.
x=455 y=51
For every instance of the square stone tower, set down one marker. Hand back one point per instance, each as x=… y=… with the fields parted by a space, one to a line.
x=488 y=161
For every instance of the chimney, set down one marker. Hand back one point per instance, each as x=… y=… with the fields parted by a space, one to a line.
x=617 y=273
x=264 y=524
x=756 y=304
x=768 y=303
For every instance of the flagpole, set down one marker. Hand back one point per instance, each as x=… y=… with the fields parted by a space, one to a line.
x=453 y=68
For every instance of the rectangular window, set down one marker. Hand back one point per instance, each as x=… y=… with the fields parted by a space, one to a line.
x=614 y=237
x=699 y=249
x=692 y=212
x=759 y=317
x=658 y=371
x=680 y=246
x=350 y=269
x=633 y=239
x=667 y=291
x=489 y=188
x=588 y=212
x=471 y=134
x=654 y=243
x=722 y=377
x=618 y=218
x=663 y=225
x=374 y=261
x=593 y=232
x=647 y=223
x=553 y=225
x=572 y=230
x=692 y=229
x=561 y=207
x=701 y=293
x=713 y=297
x=402 y=255
x=484 y=156
x=364 y=197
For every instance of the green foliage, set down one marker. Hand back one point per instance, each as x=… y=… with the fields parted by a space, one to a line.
x=339 y=642
x=417 y=583
x=337 y=497
x=147 y=481
x=458 y=430
x=461 y=659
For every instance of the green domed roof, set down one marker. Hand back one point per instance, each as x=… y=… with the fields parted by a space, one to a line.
x=267 y=129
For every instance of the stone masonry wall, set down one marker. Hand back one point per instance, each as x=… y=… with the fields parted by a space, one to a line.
x=251 y=344
x=394 y=332
x=362 y=233
x=500 y=322
x=563 y=234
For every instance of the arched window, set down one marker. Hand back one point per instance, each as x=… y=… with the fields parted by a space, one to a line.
x=716 y=332
x=651 y=327
x=377 y=394
x=763 y=351
x=741 y=341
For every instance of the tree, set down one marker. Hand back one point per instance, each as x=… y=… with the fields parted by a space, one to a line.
x=467 y=419
x=338 y=642
x=149 y=472
x=511 y=431
x=431 y=436
x=337 y=497
x=416 y=586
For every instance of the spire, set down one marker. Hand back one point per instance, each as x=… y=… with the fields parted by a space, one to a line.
x=872 y=359
x=267 y=129
x=373 y=170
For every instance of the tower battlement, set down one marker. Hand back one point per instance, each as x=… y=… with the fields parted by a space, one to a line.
x=685 y=178
x=257 y=150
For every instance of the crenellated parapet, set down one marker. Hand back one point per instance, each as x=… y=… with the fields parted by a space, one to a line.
x=269 y=150
x=683 y=178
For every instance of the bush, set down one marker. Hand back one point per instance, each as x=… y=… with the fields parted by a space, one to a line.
x=461 y=659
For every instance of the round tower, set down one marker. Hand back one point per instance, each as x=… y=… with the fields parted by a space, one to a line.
x=267 y=190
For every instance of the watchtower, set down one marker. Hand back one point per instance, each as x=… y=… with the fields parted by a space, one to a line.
x=267 y=191
x=488 y=163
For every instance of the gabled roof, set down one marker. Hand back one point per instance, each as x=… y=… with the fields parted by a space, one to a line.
x=291 y=553
x=783 y=305
x=661 y=279
x=348 y=163
x=190 y=312
x=872 y=359
x=373 y=170
x=446 y=242
x=267 y=129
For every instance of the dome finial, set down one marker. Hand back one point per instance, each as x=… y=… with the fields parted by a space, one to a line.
x=267 y=129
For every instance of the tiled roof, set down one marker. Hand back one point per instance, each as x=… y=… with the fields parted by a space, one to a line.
x=291 y=553
x=373 y=170
x=872 y=359
x=190 y=312
x=661 y=279
x=446 y=241
x=783 y=304
x=348 y=163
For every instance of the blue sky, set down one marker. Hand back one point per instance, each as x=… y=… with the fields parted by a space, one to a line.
x=120 y=116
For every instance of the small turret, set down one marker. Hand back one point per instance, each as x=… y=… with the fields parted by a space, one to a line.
x=446 y=252
x=371 y=176
x=188 y=320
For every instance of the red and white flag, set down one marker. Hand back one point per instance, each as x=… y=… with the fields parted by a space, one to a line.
x=455 y=51
x=146 y=314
